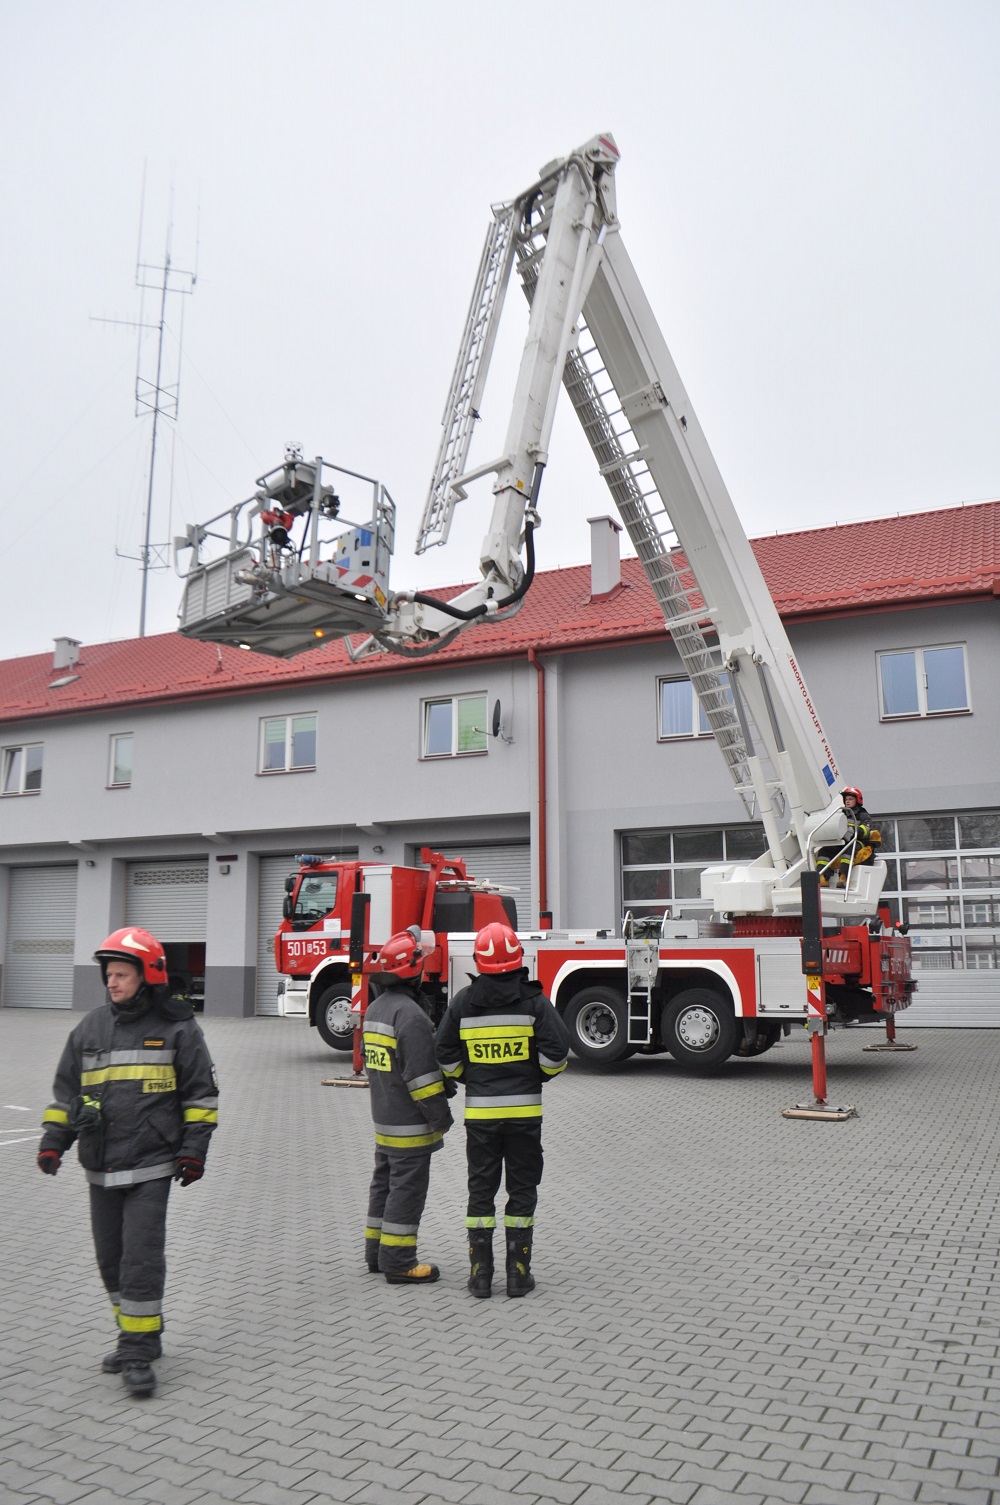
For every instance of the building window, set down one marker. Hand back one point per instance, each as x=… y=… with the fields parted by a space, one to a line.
x=120 y=765
x=923 y=682
x=944 y=882
x=287 y=743
x=21 y=771
x=661 y=870
x=681 y=713
x=455 y=726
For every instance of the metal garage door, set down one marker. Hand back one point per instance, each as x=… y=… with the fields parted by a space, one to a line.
x=273 y=872
x=38 y=970
x=508 y=863
x=170 y=899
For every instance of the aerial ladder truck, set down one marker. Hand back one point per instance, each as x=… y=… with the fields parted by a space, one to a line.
x=591 y=332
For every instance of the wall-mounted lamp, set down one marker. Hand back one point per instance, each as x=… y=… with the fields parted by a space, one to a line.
x=89 y=862
x=378 y=850
x=223 y=868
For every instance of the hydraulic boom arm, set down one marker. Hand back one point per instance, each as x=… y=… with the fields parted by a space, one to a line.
x=591 y=330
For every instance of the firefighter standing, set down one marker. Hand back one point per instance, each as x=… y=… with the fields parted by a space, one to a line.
x=136 y=1089
x=410 y=1111
x=502 y=1035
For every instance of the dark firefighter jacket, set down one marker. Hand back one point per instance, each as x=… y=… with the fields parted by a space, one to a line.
x=409 y=1106
x=860 y=824
x=156 y=1088
x=502 y=1035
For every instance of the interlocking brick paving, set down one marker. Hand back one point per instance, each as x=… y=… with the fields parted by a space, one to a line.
x=729 y=1303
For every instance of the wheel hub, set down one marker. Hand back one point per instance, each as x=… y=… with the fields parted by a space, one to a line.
x=338 y=1016
x=698 y=1028
x=597 y=1024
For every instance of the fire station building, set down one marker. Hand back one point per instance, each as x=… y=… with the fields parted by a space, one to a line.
x=169 y=783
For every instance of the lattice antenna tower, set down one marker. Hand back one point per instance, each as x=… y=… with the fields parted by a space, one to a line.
x=154 y=393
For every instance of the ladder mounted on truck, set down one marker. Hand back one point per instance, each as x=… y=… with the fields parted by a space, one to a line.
x=592 y=331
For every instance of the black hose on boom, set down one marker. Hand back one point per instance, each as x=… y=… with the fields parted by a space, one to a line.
x=529 y=573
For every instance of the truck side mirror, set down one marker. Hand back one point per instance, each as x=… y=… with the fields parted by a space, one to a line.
x=287 y=907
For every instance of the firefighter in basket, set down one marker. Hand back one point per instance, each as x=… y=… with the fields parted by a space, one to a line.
x=136 y=1089
x=863 y=840
x=410 y=1111
x=502 y=1036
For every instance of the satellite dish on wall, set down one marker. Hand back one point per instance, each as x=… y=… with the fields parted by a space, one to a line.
x=496 y=723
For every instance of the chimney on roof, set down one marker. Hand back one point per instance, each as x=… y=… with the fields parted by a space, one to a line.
x=66 y=654
x=605 y=559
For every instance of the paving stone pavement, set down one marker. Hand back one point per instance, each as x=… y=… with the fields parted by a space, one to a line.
x=728 y=1303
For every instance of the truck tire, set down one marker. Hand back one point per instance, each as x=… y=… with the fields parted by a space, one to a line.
x=598 y=1025
x=334 y=1019
x=698 y=1028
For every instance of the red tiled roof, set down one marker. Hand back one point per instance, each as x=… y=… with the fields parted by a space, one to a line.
x=951 y=554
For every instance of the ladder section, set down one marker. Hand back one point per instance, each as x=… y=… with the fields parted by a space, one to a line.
x=469 y=378
x=623 y=465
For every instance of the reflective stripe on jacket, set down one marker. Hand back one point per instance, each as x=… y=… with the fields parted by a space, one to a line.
x=409 y=1107
x=155 y=1088
x=503 y=1037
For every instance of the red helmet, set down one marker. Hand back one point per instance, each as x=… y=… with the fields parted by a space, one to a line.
x=852 y=790
x=402 y=956
x=136 y=946
x=498 y=949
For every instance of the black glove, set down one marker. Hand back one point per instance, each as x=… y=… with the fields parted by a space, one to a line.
x=450 y=1086
x=49 y=1162
x=187 y=1169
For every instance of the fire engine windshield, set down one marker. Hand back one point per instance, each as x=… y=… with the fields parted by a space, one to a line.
x=317 y=895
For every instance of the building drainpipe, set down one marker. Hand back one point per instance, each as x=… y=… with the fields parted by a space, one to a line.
x=544 y=916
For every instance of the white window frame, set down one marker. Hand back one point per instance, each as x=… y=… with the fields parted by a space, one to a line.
x=5 y=754
x=113 y=742
x=453 y=701
x=922 y=712
x=696 y=711
x=262 y=744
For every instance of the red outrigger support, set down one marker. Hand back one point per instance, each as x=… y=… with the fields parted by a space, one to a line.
x=816 y=1020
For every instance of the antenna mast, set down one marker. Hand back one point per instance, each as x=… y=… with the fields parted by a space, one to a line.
x=156 y=396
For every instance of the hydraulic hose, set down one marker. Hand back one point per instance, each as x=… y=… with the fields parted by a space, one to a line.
x=482 y=609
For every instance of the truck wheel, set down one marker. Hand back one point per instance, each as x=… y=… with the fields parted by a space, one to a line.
x=597 y=1024
x=334 y=1019
x=699 y=1028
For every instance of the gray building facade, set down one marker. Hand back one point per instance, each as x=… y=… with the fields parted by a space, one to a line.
x=168 y=789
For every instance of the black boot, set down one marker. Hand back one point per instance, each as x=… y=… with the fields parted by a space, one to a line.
x=139 y=1378
x=480 y=1280
x=519 y=1277
x=371 y=1254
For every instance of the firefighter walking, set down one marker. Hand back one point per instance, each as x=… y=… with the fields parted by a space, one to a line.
x=410 y=1112
x=136 y=1090
x=503 y=1037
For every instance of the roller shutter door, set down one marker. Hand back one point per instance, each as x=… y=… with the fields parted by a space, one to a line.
x=169 y=899
x=273 y=872
x=954 y=1000
x=38 y=969
x=508 y=863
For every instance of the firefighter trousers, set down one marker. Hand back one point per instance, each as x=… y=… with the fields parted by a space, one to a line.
x=490 y=1146
x=395 y=1204
x=129 y=1225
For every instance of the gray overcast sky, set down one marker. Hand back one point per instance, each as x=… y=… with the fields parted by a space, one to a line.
x=808 y=191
